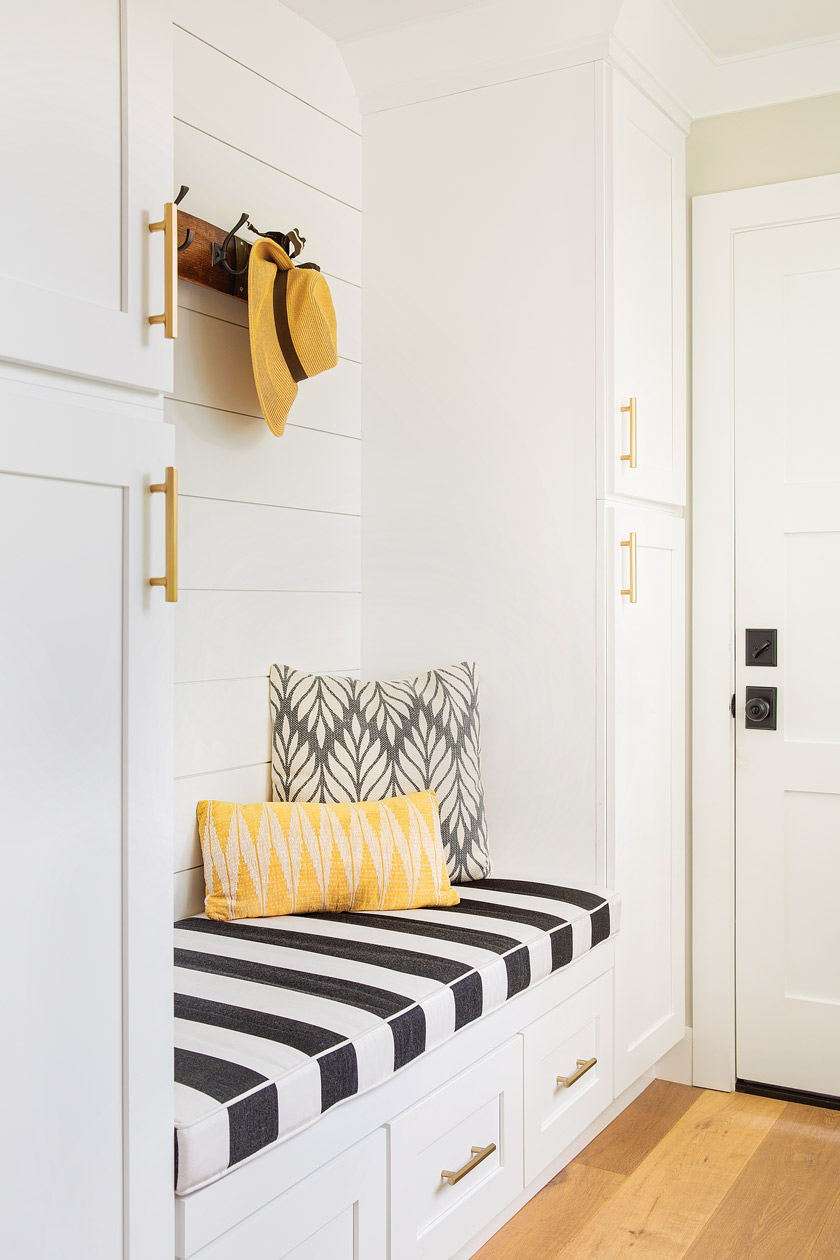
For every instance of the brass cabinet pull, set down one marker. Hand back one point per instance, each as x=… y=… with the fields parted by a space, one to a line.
x=631 y=589
x=583 y=1066
x=169 y=226
x=631 y=407
x=169 y=487
x=479 y=1153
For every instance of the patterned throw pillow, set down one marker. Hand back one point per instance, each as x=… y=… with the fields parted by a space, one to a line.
x=340 y=739
x=299 y=859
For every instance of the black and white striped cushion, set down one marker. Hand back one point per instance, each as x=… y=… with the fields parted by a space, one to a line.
x=279 y=1019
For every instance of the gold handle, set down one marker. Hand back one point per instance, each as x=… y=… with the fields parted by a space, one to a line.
x=583 y=1066
x=169 y=226
x=479 y=1153
x=169 y=487
x=631 y=590
x=631 y=407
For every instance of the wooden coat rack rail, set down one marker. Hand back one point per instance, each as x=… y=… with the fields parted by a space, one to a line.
x=216 y=259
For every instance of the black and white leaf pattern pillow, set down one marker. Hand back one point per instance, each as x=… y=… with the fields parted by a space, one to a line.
x=338 y=739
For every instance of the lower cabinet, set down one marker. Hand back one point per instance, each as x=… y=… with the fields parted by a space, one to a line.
x=470 y=1129
x=337 y=1213
x=568 y=1072
x=645 y=755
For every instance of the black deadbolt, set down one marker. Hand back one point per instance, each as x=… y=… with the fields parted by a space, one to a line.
x=761 y=647
x=760 y=709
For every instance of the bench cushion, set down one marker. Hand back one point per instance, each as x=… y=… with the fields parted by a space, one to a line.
x=279 y=1019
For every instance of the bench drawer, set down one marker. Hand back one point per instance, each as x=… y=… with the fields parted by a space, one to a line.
x=563 y=1044
x=337 y=1212
x=430 y=1217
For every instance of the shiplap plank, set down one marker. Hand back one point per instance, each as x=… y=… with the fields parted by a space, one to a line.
x=225 y=455
x=226 y=99
x=188 y=893
x=250 y=547
x=240 y=634
x=213 y=369
x=280 y=45
x=224 y=181
x=221 y=724
x=244 y=784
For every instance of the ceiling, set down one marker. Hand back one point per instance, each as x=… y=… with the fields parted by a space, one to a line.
x=730 y=28
x=350 y=19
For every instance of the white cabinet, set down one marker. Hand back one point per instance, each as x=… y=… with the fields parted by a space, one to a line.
x=644 y=552
x=85 y=766
x=337 y=1213
x=645 y=280
x=472 y=1130
x=86 y=90
x=568 y=1078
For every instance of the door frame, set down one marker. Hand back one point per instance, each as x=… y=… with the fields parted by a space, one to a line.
x=717 y=218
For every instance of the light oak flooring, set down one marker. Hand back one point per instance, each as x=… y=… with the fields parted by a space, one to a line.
x=691 y=1174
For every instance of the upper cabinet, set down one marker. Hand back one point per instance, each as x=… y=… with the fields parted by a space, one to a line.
x=645 y=304
x=87 y=165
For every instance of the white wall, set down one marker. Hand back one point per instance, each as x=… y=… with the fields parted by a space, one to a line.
x=266 y=120
x=480 y=377
x=793 y=140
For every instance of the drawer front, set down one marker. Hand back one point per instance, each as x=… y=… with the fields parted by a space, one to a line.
x=563 y=1044
x=338 y=1212
x=452 y=1131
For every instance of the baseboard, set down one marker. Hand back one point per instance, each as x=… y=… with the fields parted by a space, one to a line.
x=572 y=1150
x=784 y=1094
x=677 y=1064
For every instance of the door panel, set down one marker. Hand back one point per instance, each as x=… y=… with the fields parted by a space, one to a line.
x=646 y=762
x=81 y=273
x=648 y=218
x=787 y=538
x=85 y=781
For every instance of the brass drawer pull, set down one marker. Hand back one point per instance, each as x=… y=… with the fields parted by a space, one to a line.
x=169 y=488
x=479 y=1153
x=169 y=226
x=631 y=590
x=583 y=1066
x=631 y=458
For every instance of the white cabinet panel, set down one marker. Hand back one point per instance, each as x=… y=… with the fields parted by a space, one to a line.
x=429 y=1216
x=86 y=837
x=81 y=272
x=338 y=1212
x=648 y=292
x=574 y=1034
x=646 y=765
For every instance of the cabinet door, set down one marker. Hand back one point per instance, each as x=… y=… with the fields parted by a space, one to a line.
x=646 y=155
x=85 y=781
x=86 y=90
x=645 y=781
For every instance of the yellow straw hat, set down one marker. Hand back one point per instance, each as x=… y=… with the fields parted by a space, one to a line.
x=292 y=324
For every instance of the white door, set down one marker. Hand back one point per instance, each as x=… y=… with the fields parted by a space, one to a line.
x=86 y=95
x=646 y=768
x=787 y=564
x=647 y=212
x=85 y=784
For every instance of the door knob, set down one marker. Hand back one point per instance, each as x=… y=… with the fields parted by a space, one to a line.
x=757 y=709
x=760 y=709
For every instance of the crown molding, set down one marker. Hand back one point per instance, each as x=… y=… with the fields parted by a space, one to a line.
x=650 y=41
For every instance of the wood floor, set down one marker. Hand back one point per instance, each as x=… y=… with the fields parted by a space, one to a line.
x=691 y=1174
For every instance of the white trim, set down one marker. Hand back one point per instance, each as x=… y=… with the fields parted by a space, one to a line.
x=717 y=219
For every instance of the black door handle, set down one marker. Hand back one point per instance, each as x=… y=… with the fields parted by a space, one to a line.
x=757 y=709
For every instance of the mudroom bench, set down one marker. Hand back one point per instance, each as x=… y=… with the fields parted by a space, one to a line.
x=470 y=1049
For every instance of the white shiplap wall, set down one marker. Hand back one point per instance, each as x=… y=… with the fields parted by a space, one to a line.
x=266 y=120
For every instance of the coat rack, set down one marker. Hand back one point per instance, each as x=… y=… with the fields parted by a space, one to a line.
x=218 y=259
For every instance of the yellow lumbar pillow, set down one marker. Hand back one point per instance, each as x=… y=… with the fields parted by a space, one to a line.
x=284 y=858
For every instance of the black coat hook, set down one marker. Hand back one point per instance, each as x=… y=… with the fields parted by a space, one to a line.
x=218 y=256
x=291 y=241
x=190 y=237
